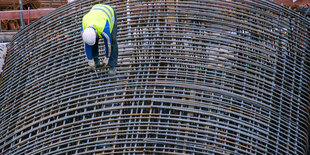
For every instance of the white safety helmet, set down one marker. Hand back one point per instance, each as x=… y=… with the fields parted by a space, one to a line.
x=89 y=36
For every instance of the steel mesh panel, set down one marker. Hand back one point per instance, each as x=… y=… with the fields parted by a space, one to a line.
x=194 y=77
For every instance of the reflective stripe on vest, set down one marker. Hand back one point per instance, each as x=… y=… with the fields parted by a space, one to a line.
x=102 y=8
x=111 y=11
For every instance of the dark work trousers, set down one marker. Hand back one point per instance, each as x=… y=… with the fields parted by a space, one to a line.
x=94 y=52
x=114 y=47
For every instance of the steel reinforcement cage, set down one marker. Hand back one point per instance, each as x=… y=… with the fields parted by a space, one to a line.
x=194 y=77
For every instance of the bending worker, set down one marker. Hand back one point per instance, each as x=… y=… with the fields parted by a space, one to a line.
x=100 y=22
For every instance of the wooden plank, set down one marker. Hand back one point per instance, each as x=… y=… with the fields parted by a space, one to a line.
x=15 y=14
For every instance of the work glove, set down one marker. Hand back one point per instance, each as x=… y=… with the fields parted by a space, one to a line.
x=91 y=64
x=105 y=61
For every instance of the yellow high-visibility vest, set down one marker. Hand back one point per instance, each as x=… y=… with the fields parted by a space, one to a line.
x=97 y=17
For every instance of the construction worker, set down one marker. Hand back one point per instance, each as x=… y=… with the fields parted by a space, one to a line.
x=100 y=22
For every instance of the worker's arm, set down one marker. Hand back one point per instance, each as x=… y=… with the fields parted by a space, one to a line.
x=88 y=48
x=107 y=39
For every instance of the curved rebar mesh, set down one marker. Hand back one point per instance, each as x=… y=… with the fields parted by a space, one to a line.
x=194 y=77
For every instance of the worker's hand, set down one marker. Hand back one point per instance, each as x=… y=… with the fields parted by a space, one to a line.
x=105 y=61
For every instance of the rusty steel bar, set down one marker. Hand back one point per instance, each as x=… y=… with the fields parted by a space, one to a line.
x=194 y=77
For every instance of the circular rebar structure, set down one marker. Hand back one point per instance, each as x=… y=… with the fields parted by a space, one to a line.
x=194 y=77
